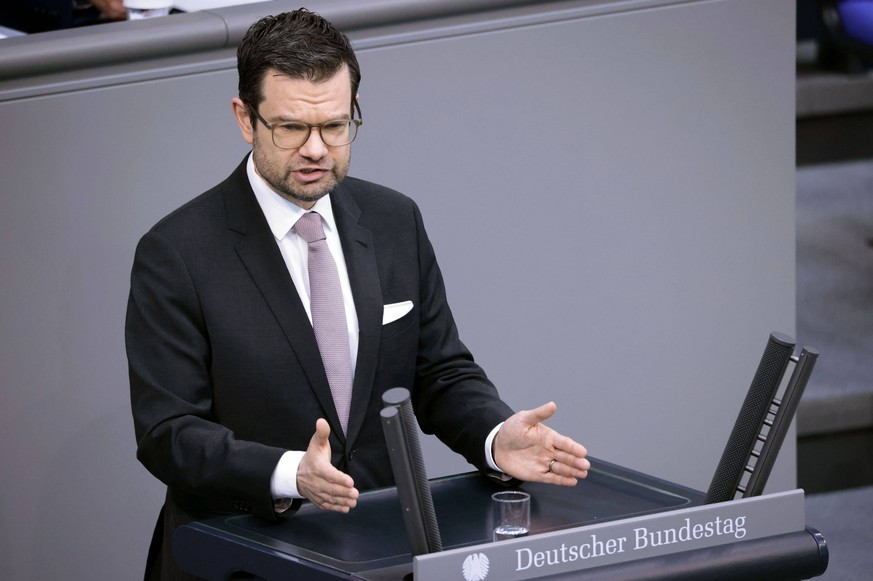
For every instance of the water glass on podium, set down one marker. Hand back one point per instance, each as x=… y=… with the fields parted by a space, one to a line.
x=511 y=510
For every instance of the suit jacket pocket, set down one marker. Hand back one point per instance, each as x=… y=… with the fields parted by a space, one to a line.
x=395 y=311
x=400 y=327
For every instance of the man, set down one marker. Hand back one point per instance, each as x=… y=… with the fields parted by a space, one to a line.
x=249 y=394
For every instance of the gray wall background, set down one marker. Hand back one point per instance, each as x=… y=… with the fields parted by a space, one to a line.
x=609 y=187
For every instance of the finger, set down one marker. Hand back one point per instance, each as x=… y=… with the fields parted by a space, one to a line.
x=572 y=460
x=338 y=498
x=560 y=474
x=340 y=504
x=335 y=498
x=563 y=475
x=327 y=503
x=335 y=481
x=540 y=414
x=569 y=447
x=343 y=488
x=569 y=465
x=569 y=469
x=322 y=432
x=319 y=444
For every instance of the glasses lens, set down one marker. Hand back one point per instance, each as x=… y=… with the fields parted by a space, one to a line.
x=337 y=133
x=290 y=135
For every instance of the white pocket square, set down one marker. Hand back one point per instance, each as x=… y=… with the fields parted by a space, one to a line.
x=394 y=311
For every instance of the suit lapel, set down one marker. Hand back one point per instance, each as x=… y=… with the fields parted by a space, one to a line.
x=357 y=243
x=261 y=256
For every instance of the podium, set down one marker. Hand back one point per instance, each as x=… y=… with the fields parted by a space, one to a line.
x=370 y=542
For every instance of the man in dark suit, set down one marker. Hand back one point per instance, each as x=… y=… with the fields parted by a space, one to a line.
x=236 y=402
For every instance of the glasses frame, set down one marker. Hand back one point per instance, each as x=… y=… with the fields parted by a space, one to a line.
x=309 y=127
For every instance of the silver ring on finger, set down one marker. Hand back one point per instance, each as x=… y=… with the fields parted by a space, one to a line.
x=550 y=465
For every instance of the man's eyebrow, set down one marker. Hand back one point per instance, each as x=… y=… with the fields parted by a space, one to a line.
x=281 y=118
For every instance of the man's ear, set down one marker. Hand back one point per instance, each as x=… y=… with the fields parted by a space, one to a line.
x=243 y=119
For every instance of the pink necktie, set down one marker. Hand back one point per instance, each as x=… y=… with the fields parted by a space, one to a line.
x=328 y=314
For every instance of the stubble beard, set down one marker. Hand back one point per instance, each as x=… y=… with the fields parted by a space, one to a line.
x=282 y=181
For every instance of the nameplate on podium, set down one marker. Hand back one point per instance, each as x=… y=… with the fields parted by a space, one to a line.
x=618 y=541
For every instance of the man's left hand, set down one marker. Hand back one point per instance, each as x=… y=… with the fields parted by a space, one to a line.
x=527 y=449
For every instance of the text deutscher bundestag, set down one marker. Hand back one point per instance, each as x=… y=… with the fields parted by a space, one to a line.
x=643 y=538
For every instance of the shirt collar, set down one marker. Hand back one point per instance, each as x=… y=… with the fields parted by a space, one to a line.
x=282 y=214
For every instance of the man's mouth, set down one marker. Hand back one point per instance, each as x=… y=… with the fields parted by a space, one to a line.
x=310 y=174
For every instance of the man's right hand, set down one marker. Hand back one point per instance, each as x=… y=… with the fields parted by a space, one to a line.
x=319 y=481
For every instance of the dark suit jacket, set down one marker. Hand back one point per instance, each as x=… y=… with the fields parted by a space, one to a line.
x=225 y=371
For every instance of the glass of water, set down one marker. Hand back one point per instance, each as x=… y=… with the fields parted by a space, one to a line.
x=511 y=509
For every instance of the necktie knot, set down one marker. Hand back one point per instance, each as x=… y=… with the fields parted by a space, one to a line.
x=309 y=227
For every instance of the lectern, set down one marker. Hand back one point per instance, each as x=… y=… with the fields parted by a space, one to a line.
x=370 y=542
x=615 y=524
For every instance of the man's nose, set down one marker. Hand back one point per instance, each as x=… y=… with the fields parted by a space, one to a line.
x=314 y=146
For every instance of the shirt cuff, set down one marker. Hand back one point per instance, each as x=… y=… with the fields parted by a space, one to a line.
x=489 y=441
x=283 y=483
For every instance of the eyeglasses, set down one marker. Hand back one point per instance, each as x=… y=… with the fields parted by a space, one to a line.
x=294 y=134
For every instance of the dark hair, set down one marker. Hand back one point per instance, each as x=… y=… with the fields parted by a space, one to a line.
x=300 y=44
